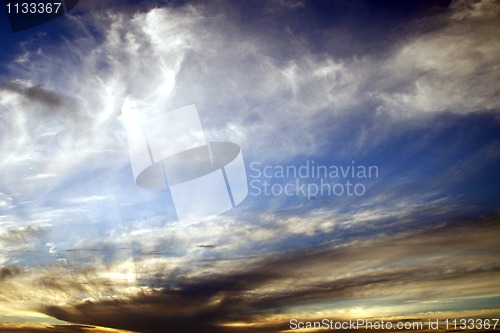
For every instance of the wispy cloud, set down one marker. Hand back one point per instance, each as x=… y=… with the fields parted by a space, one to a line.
x=173 y=57
x=81 y=243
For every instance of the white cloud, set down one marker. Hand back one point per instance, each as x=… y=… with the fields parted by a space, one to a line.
x=6 y=202
x=452 y=69
x=247 y=93
x=61 y=123
x=63 y=148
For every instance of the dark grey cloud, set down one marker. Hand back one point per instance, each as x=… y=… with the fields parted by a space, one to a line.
x=9 y=272
x=50 y=107
x=404 y=266
x=34 y=93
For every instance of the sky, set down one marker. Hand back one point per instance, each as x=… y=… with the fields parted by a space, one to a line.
x=316 y=94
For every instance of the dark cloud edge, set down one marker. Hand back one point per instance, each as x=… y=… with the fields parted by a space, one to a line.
x=203 y=304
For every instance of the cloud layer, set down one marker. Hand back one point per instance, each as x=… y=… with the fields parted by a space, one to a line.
x=415 y=94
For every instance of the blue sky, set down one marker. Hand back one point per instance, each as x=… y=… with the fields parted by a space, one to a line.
x=409 y=87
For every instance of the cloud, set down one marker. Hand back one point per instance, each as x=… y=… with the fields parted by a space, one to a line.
x=6 y=202
x=6 y=272
x=19 y=241
x=453 y=260
x=109 y=254
x=20 y=235
x=39 y=129
x=440 y=71
x=295 y=103
x=36 y=328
